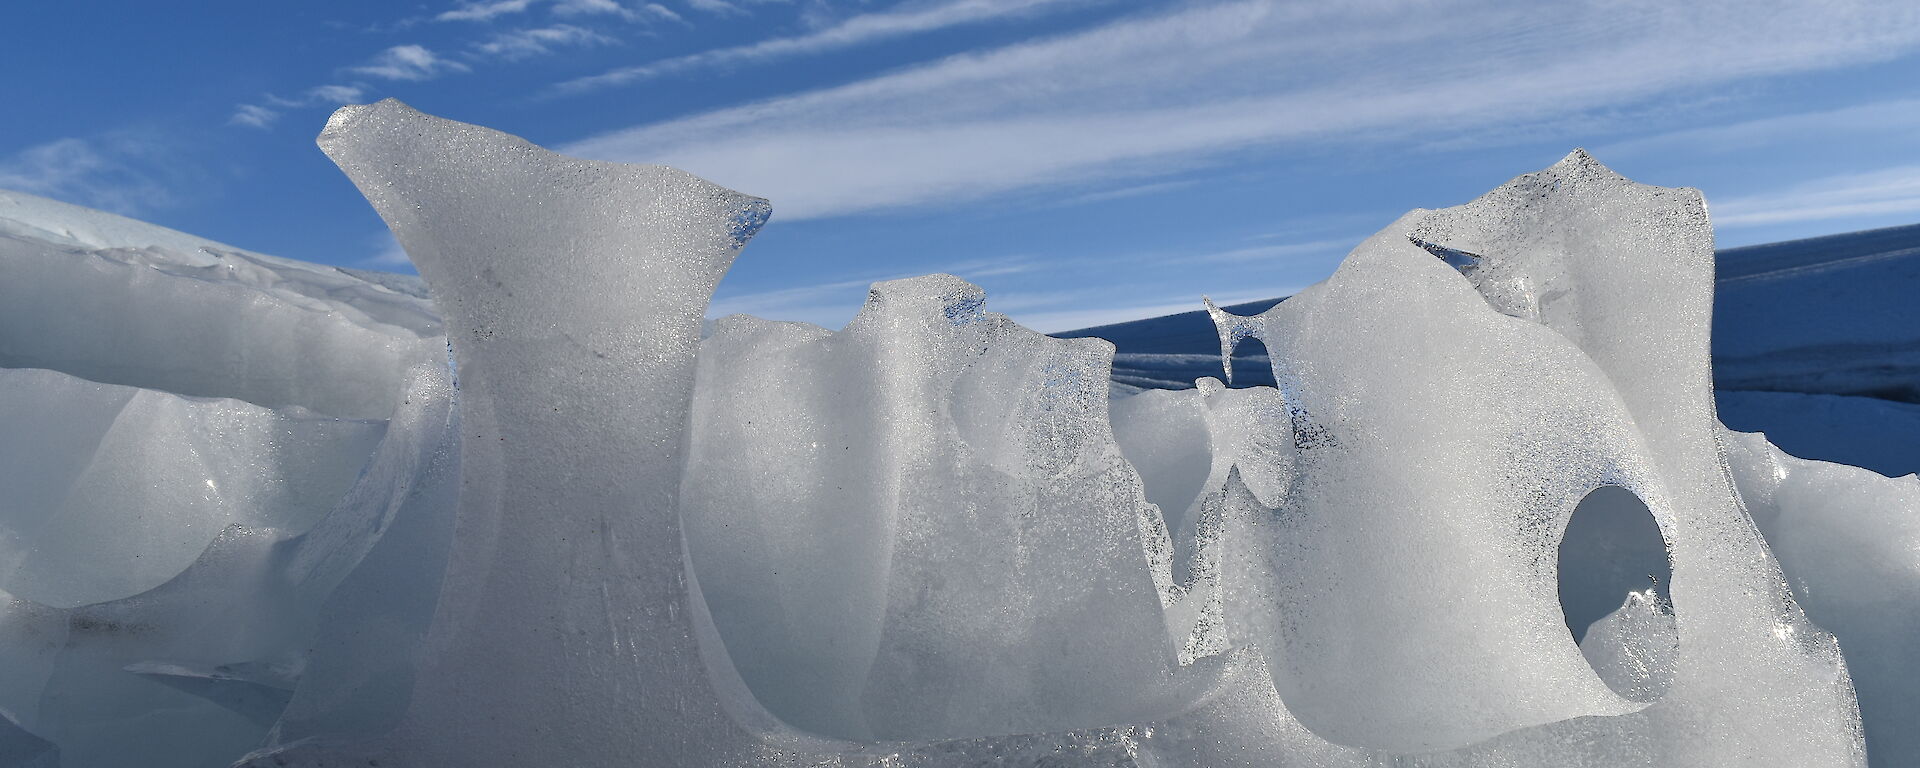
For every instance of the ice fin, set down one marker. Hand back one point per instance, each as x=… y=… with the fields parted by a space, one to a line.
x=1233 y=329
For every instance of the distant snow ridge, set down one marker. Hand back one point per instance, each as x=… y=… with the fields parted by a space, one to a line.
x=253 y=518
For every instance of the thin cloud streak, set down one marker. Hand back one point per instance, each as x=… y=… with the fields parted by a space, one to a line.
x=262 y=116
x=120 y=173
x=644 y=12
x=851 y=32
x=1899 y=116
x=408 y=62
x=526 y=43
x=716 y=7
x=253 y=115
x=484 y=11
x=1150 y=95
x=1894 y=191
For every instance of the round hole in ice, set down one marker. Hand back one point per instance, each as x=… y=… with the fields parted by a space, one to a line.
x=1613 y=592
x=1612 y=547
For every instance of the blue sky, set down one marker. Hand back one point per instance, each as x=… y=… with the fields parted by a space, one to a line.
x=1084 y=160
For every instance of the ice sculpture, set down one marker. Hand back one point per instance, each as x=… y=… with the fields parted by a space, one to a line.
x=931 y=538
x=1585 y=302
x=565 y=628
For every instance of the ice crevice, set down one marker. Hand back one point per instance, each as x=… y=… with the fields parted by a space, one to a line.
x=931 y=537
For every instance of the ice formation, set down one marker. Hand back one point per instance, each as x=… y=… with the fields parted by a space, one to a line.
x=1487 y=515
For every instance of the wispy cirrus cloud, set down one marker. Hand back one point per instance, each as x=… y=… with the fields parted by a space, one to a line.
x=868 y=27
x=524 y=43
x=408 y=62
x=415 y=62
x=642 y=12
x=487 y=11
x=1170 y=91
x=122 y=172
x=716 y=7
x=253 y=115
x=1896 y=116
x=264 y=115
x=1888 y=192
x=484 y=11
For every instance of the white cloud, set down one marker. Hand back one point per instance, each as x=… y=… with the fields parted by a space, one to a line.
x=1900 y=117
x=850 y=32
x=322 y=96
x=716 y=7
x=408 y=62
x=1888 y=192
x=641 y=12
x=334 y=95
x=1146 y=95
x=523 y=43
x=589 y=8
x=253 y=115
x=262 y=116
x=121 y=173
x=484 y=11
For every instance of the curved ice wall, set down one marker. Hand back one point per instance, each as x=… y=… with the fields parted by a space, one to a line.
x=931 y=538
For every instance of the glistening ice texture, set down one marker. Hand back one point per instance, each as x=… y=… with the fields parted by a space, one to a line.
x=1379 y=581
x=931 y=538
x=1591 y=291
x=920 y=527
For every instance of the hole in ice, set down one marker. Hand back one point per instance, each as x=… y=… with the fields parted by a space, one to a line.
x=1250 y=364
x=1612 y=547
x=1458 y=259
